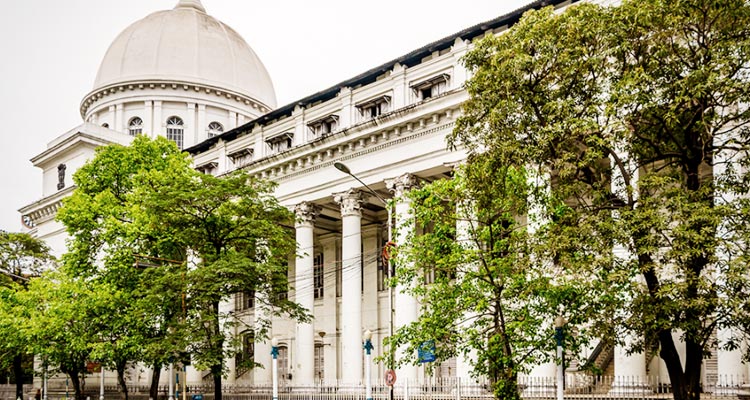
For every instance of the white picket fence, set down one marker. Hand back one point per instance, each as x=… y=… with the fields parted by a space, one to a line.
x=577 y=387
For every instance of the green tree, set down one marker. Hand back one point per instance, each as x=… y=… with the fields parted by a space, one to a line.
x=236 y=237
x=107 y=246
x=21 y=257
x=56 y=313
x=471 y=265
x=638 y=113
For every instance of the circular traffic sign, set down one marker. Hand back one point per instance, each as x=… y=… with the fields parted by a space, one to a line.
x=390 y=377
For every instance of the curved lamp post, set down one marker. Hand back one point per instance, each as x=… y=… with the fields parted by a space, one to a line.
x=275 y=367
x=343 y=168
x=559 y=325
x=101 y=382
x=368 y=358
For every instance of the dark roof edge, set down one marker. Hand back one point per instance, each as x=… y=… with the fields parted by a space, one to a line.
x=412 y=58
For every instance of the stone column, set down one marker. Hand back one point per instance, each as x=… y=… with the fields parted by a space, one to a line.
x=730 y=369
x=351 y=292
x=306 y=213
x=405 y=304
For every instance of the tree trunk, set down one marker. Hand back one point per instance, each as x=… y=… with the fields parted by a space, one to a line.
x=75 y=380
x=120 y=366
x=18 y=375
x=216 y=374
x=217 y=369
x=153 y=391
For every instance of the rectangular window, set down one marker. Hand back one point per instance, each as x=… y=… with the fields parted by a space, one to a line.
x=432 y=87
x=280 y=143
x=244 y=300
x=319 y=362
x=208 y=168
x=318 y=276
x=324 y=126
x=283 y=362
x=374 y=108
x=242 y=157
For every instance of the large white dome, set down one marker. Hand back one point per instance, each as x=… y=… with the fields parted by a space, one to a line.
x=185 y=44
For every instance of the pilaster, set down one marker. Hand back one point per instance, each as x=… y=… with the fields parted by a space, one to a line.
x=158 y=123
x=190 y=128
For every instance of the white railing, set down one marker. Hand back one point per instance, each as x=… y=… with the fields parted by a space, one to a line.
x=578 y=386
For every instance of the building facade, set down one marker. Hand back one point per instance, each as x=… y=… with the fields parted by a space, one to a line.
x=213 y=97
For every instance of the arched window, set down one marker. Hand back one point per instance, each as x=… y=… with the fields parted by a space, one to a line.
x=175 y=130
x=215 y=129
x=135 y=126
x=105 y=125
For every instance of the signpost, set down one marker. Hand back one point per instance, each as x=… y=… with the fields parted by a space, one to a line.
x=426 y=352
x=390 y=377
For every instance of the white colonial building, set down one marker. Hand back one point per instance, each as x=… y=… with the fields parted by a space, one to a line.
x=182 y=74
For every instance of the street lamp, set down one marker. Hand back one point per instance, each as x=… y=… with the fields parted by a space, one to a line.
x=343 y=168
x=275 y=367
x=101 y=382
x=171 y=380
x=368 y=357
x=559 y=324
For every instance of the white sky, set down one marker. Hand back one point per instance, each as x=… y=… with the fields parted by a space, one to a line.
x=51 y=50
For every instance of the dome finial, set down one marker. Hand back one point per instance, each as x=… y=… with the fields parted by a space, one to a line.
x=196 y=4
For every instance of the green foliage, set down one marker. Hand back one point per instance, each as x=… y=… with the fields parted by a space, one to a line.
x=168 y=245
x=239 y=239
x=471 y=263
x=638 y=114
x=21 y=258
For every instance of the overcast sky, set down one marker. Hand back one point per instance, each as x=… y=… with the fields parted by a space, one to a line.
x=51 y=50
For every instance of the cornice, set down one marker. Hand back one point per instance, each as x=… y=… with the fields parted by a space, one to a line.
x=96 y=95
x=44 y=209
x=363 y=138
x=67 y=143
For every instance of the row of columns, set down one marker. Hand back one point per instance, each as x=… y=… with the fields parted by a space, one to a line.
x=352 y=329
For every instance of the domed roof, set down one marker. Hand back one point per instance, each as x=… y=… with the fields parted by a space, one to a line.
x=186 y=44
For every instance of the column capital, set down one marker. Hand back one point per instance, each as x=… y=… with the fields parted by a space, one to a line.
x=401 y=184
x=306 y=213
x=350 y=202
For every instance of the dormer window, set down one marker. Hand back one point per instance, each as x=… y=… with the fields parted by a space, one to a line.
x=215 y=129
x=280 y=143
x=432 y=87
x=374 y=108
x=135 y=126
x=209 y=168
x=324 y=126
x=242 y=157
